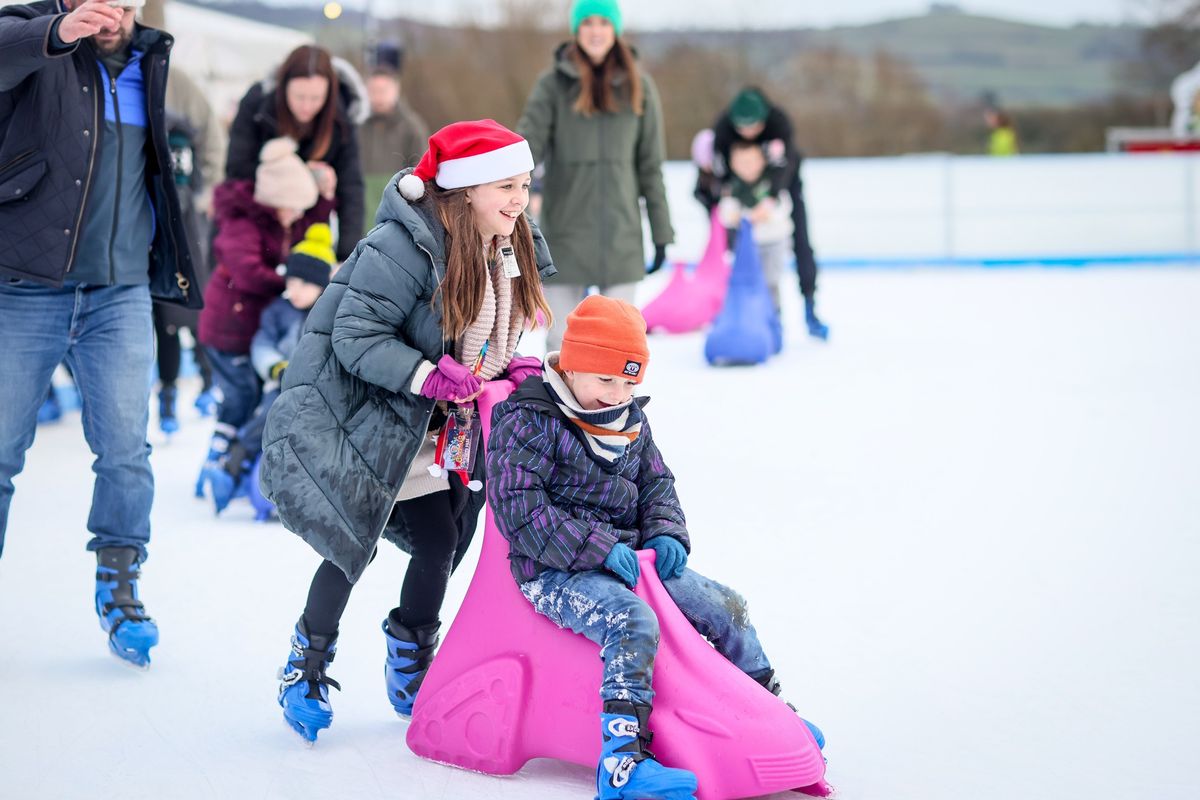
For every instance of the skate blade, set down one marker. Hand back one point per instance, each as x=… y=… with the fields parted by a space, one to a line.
x=135 y=661
x=302 y=732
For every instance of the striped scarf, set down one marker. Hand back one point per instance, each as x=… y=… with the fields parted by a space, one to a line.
x=608 y=431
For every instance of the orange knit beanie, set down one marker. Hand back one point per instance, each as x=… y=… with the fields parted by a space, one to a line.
x=605 y=336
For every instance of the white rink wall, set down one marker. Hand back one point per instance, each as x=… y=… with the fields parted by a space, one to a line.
x=946 y=210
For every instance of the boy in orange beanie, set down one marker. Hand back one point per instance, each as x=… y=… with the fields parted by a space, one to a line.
x=577 y=485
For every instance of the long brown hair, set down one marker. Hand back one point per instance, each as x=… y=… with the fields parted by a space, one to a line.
x=308 y=61
x=596 y=82
x=462 y=290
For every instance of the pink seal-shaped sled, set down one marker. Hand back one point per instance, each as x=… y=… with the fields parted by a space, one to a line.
x=508 y=685
x=692 y=298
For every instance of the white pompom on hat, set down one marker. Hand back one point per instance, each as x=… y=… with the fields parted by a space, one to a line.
x=468 y=154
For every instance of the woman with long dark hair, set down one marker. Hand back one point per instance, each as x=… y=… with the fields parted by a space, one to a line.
x=305 y=101
x=430 y=306
x=595 y=121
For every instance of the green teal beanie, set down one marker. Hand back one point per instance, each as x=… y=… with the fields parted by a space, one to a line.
x=748 y=108
x=609 y=9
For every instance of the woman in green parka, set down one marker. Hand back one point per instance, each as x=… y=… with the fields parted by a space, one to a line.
x=594 y=121
x=429 y=306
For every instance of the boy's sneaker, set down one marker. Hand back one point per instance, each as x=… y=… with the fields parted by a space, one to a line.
x=131 y=633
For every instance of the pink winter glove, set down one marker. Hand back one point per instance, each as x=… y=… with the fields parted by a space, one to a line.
x=450 y=380
x=523 y=367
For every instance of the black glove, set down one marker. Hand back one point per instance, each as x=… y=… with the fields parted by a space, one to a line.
x=660 y=258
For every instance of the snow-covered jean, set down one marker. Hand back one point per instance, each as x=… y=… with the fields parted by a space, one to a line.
x=599 y=606
x=105 y=335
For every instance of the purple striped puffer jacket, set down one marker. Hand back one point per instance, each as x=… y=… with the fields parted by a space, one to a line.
x=559 y=507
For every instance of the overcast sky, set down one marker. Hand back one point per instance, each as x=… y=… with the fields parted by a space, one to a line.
x=646 y=14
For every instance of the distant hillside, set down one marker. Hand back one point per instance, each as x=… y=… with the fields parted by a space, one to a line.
x=960 y=56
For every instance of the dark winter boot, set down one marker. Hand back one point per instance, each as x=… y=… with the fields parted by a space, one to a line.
x=409 y=654
x=304 y=686
x=627 y=769
x=767 y=679
x=816 y=328
x=167 y=421
x=131 y=633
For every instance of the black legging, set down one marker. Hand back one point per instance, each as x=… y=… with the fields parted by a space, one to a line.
x=170 y=351
x=434 y=540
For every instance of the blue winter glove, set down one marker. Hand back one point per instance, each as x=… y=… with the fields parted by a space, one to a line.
x=623 y=562
x=671 y=558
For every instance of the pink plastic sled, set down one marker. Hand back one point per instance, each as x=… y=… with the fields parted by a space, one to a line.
x=508 y=685
x=693 y=297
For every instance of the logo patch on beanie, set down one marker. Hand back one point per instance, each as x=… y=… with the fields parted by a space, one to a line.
x=632 y=368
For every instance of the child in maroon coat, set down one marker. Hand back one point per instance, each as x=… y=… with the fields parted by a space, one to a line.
x=258 y=222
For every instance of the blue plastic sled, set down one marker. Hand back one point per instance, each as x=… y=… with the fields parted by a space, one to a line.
x=748 y=330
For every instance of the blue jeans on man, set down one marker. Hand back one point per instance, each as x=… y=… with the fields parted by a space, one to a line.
x=105 y=334
x=599 y=606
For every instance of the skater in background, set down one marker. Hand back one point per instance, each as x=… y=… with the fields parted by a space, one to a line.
x=1002 y=136
x=751 y=193
x=197 y=142
x=595 y=123
x=577 y=485
x=306 y=274
x=311 y=101
x=90 y=231
x=429 y=307
x=392 y=138
x=753 y=118
x=257 y=223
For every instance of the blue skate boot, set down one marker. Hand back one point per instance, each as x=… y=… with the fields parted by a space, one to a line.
x=225 y=478
x=816 y=328
x=218 y=446
x=50 y=410
x=627 y=770
x=131 y=633
x=304 y=686
x=767 y=679
x=409 y=654
x=167 y=421
x=206 y=403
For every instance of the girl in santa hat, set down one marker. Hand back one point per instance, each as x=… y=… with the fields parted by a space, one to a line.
x=428 y=307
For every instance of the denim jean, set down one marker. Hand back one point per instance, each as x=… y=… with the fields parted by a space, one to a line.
x=106 y=337
x=599 y=606
x=240 y=388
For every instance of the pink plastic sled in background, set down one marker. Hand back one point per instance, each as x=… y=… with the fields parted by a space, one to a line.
x=693 y=297
x=508 y=685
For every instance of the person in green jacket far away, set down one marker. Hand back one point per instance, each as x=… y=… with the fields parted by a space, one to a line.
x=594 y=121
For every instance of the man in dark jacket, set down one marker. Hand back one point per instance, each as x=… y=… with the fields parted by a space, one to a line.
x=90 y=229
x=753 y=118
x=392 y=138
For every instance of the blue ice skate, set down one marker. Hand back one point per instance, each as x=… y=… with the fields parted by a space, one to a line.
x=410 y=652
x=627 y=770
x=206 y=403
x=50 y=410
x=167 y=421
x=304 y=686
x=217 y=448
x=131 y=633
x=767 y=679
x=816 y=328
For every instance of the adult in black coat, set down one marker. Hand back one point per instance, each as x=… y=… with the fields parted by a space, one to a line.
x=305 y=101
x=751 y=117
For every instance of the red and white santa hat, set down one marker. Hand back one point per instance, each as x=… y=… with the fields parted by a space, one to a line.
x=468 y=154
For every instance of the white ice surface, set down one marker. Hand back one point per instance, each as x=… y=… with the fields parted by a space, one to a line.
x=968 y=529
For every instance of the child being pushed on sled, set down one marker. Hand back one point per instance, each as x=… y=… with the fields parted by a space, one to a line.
x=577 y=485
